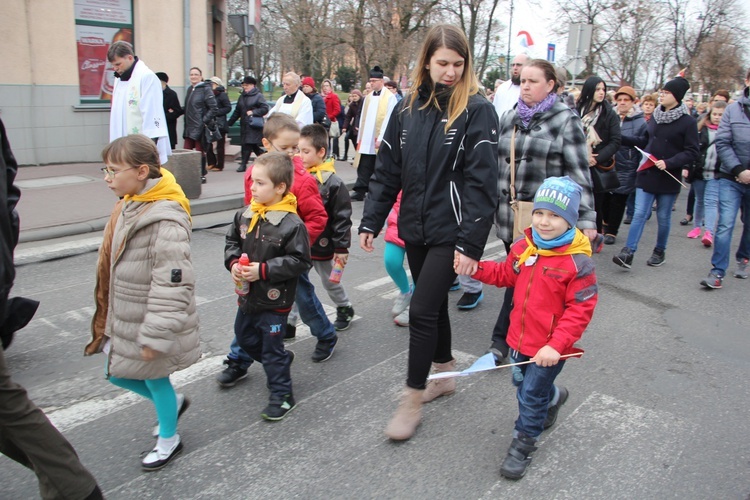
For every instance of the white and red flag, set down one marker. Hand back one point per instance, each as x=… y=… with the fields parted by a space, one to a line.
x=647 y=160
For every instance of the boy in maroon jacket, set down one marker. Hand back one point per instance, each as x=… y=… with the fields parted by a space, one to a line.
x=555 y=295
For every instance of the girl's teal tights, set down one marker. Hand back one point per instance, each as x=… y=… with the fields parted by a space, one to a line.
x=161 y=392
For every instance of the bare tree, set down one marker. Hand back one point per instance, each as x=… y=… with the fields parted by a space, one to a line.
x=476 y=18
x=719 y=64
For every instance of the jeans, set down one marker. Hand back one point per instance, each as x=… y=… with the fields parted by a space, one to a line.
x=643 y=203
x=732 y=197
x=535 y=391
x=261 y=335
x=469 y=284
x=310 y=310
x=706 y=212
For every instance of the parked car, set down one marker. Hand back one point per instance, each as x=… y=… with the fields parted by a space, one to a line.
x=234 y=82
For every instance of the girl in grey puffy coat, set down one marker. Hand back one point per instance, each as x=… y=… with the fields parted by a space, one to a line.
x=151 y=320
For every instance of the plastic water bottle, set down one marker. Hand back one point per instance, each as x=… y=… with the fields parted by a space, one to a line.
x=242 y=286
x=336 y=272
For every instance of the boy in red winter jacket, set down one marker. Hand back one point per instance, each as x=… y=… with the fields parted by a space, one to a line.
x=555 y=295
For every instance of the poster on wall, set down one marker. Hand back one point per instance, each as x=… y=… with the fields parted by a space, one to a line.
x=95 y=74
x=99 y=23
x=104 y=11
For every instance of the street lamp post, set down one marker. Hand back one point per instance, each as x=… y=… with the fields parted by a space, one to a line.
x=510 y=35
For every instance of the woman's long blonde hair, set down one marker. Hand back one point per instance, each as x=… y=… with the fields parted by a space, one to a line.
x=450 y=37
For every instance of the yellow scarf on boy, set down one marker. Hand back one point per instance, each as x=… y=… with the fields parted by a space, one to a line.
x=287 y=204
x=326 y=166
x=581 y=244
x=166 y=189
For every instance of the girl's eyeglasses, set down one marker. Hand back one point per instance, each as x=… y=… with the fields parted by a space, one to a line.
x=110 y=172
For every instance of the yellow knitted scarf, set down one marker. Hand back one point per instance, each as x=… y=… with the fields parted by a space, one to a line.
x=166 y=189
x=581 y=244
x=287 y=204
x=326 y=166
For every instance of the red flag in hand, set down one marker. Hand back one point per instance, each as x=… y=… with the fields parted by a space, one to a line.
x=647 y=160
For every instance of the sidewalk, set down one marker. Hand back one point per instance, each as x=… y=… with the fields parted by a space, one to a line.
x=72 y=199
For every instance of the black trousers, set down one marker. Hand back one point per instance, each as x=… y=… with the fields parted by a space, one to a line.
x=349 y=137
x=28 y=437
x=614 y=209
x=429 y=324
x=172 y=130
x=365 y=169
x=248 y=148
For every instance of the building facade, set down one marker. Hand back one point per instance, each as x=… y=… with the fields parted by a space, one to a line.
x=55 y=90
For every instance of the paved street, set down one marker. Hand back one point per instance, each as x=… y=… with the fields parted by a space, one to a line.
x=658 y=405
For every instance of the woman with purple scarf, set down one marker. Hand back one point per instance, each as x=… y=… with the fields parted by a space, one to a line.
x=549 y=142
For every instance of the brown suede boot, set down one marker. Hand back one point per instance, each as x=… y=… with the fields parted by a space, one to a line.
x=440 y=387
x=404 y=422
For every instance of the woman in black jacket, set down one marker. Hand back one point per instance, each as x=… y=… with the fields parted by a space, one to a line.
x=602 y=129
x=200 y=109
x=223 y=107
x=440 y=150
x=351 y=122
x=250 y=110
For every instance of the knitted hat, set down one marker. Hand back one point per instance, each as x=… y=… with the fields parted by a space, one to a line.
x=560 y=195
x=308 y=81
x=678 y=87
x=162 y=76
x=250 y=80
x=356 y=92
x=376 y=72
x=217 y=81
x=628 y=91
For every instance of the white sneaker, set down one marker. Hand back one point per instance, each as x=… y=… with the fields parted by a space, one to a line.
x=156 y=458
x=403 y=318
x=182 y=404
x=402 y=302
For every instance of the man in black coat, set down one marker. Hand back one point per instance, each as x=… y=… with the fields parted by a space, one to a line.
x=172 y=108
x=26 y=435
x=223 y=107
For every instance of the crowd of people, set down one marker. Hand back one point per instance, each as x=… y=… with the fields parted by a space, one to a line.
x=439 y=167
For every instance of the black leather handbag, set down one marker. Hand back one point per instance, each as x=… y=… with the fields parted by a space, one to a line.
x=604 y=178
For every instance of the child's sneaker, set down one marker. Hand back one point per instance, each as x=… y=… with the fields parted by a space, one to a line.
x=553 y=410
x=713 y=282
x=741 y=271
x=694 y=233
x=403 y=318
x=519 y=457
x=402 y=302
x=231 y=374
x=344 y=317
x=324 y=350
x=708 y=239
x=276 y=410
x=455 y=286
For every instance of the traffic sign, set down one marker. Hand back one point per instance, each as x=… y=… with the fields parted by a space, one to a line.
x=551 y=52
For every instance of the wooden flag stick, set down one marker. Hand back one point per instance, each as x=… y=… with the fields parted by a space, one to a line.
x=675 y=178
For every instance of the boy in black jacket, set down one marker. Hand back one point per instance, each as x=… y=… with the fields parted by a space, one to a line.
x=276 y=242
x=333 y=244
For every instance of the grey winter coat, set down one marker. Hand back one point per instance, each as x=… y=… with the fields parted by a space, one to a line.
x=152 y=292
x=553 y=145
x=733 y=138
